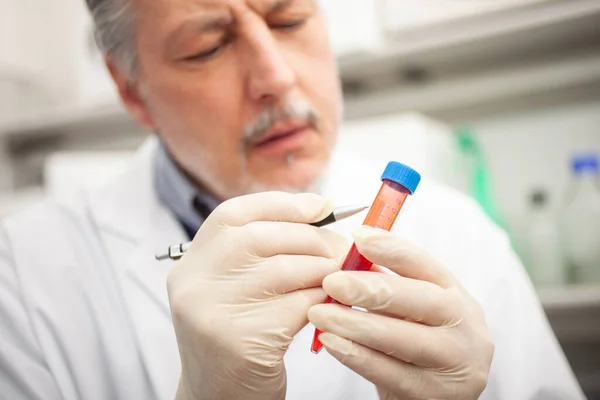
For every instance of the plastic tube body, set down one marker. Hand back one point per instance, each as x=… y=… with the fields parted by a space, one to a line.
x=382 y=214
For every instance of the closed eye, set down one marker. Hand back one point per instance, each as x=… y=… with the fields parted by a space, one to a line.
x=289 y=26
x=206 y=55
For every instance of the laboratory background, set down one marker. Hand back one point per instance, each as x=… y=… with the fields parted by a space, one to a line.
x=499 y=99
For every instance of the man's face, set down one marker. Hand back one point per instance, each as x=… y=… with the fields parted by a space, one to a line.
x=244 y=93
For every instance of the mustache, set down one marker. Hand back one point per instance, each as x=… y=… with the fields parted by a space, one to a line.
x=297 y=110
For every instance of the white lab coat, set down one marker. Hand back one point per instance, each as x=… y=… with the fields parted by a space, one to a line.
x=85 y=315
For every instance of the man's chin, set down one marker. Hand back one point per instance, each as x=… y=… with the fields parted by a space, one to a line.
x=299 y=176
x=261 y=187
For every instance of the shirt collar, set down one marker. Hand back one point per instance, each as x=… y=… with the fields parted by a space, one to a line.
x=190 y=205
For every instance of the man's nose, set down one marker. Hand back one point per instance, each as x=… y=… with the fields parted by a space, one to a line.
x=269 y=76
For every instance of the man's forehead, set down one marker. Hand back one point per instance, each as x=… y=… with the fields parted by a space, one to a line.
x=260 y=6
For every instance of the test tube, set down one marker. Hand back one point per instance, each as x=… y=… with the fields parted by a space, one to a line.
x=399 y=181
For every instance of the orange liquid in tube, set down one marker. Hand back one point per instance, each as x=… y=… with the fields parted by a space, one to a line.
x=399 y=181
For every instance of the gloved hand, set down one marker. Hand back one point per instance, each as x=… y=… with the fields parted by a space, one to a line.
x=423 y=337
x=243 y=291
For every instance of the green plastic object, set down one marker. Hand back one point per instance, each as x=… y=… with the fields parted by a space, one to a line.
x=479 y=177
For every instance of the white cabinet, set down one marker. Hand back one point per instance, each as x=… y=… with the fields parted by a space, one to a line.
x=25 y=75
x=46 y=50
x=411 y=138
x=22 y=37
x=354 y=26
x=399 y=15
x=92 y=84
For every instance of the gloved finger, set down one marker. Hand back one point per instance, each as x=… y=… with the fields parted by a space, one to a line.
x=402 y=379
x=292 y=309
x=383 y=248
x=414 y=343
x=393 y=295
x=266 y=239
x=289 y=311
x=271 y=206
x=285 y=273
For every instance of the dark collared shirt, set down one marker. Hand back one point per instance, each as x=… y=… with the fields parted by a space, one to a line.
x=190 y=205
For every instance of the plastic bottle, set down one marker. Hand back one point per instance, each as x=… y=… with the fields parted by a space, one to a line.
x=580 y=220
x=544 y=257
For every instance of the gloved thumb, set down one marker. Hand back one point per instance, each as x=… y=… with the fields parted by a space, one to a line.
x=272 y=206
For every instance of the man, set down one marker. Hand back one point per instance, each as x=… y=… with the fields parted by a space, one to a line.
x=246 y=99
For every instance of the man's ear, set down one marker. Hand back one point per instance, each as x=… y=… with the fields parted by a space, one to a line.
x=130 y=95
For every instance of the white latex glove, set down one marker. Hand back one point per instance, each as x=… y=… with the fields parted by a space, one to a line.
x=423 y=337
x=243 y=291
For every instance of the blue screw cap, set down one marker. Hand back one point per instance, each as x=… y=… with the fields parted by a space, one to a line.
x=402 y=175
x=582 y=163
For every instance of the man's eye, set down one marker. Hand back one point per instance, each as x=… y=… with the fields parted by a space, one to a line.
x=289 y=26
x=205 y=55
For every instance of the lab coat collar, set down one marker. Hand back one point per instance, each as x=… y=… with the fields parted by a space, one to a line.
x=128 y=210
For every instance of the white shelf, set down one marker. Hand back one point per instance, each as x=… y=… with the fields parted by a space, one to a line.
x=66 y=120
x=401 y=15
x=570 y=297
x=500 y=34
x=574 y=313
x=515 y=82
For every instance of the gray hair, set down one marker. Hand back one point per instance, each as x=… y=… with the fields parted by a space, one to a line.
x=114 y=34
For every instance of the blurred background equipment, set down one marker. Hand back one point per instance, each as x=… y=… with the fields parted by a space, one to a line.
x=581 y=220
x=543 y=256
x=494 y=98
x=476 y=174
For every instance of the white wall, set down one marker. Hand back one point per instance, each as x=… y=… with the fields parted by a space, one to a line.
x=532 y=150
x=31 y=37
x=48 y=43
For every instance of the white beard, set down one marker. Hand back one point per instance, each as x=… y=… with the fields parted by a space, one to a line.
x=245 y=182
